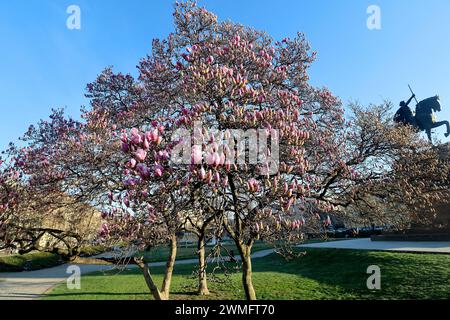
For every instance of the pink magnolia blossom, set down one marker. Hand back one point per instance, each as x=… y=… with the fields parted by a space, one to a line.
x=132 y=163
x=197 y=155
x=202 y=173
x=253 y=185
x=213 y=159
x=125 y=147
x=135 y=136
x=143 y=171
x=140 y=154
x=159 y=170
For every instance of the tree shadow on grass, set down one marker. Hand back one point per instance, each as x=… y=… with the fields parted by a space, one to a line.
x=403 y=275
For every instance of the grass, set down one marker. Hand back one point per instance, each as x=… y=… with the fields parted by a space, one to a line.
x=29 y=261
x=320 y=274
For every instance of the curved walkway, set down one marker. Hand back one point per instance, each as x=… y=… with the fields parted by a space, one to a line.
x=33 y=284
x=398 y=246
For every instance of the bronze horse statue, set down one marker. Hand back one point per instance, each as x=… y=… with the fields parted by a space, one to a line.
x=424 y=116
x=423 y=120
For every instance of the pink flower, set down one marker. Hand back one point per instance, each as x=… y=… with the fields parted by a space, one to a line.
x=152 y=136
x=125 y=148
x=132 y=163
x=288 y=204
x=130 y=182
x=209 y=177
x=253 y=185
x=136 y=139
x=224 y=181
x=210 y=60
x=216 y=177
x=162 y=155
x=213 y=159
x=185 y=56
x=140 y=155
x=202 y=173
x=104 y=230
x=197 y=154
x=159 y=170
x=134 y=131
x=143 y=171
x=222 y=159
x=146 y=143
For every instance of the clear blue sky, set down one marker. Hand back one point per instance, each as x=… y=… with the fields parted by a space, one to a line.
x=43 y=64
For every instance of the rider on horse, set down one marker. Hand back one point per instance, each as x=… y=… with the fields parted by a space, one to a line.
x=404 y=114
x=424 y=119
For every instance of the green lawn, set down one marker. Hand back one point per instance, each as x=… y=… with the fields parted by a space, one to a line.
x=320 y=274
x=29 y=261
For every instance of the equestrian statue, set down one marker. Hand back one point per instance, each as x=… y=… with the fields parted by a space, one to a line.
x=424 y=119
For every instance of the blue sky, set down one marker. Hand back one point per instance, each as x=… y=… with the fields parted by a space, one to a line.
x=43 y=64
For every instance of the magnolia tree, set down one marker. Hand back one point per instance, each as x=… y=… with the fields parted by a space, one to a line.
x=240 y=133
x=251 y=144
x=25 y=222
x=147 y=215
x=66 y=168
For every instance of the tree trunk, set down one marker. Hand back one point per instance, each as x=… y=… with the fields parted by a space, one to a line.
x=202 y=280
x=169 y=267
x=157 y=295
x=245 y=252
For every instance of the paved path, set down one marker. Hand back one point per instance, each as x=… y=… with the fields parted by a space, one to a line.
x=402 y=246
x=34 y=284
